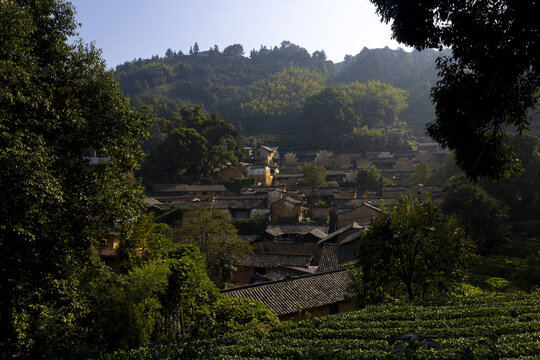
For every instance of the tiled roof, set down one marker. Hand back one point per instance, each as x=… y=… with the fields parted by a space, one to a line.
x=357 y=206
x=296 y=229
x=354 y=225
x=352 y=237
x=267 y=148
x=275 y=259
x=335 y=256
x=281 y=272
x=185 y=187
x=288 y=296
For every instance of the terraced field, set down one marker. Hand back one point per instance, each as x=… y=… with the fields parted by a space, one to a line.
x=456 y=323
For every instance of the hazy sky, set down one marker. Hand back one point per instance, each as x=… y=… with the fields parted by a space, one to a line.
x=128 y=29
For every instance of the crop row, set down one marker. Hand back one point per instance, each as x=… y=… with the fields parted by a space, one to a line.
x=457 y=323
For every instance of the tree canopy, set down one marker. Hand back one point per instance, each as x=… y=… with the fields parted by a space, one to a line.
x=69 y=141
x=482 y=216
x=410 y=250
x=217 y=238
x=490 y=82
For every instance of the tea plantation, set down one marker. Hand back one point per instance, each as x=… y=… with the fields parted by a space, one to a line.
x=460 y=325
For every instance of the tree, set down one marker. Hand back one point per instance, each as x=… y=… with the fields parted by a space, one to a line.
x=370 y=179
x=218 y=240
x=234 y=50
x=482 y=216
x=59 y=104
x=411 y=249
x=422 y=174
x=195 y=48
x=488 y=85
x=314 y=176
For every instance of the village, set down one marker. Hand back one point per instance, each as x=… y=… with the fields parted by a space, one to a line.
x=308 y=235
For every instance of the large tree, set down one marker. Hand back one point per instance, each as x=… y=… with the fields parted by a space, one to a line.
x=482 y=216
x=410 y=250
x=217 y=238
x=489 y=84
x=58 y=103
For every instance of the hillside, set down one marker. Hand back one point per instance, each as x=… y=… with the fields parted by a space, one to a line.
x=265 y=92
x=457 y=323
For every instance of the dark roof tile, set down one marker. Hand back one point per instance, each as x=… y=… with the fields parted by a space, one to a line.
x=288 y=296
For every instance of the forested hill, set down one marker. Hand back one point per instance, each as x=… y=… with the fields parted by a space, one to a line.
x=267 y=91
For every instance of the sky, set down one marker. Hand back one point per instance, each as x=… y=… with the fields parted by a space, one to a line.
x=129 y=29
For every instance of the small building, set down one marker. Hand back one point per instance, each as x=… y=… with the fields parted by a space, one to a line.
x=263 y=263
x=228 y=174
x=293 y=239
x=262 y=173
x=275 y=193
x=319 y=294
x=290 y=180
x=265 y=153
x=288 y=210
x=362 y=214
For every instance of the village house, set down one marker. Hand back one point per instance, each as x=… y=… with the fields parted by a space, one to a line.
x=362 y=214
x=170 y=193
x=263 y=263
x=292 y=239
x=318 y=294
x=230 y=173
x=265 y=154
x=289 y=180
x=262 y=173
x=275 y=193
x=288 y=210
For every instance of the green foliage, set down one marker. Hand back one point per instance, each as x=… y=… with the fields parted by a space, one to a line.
x=314 y=176
x=189 y=295
x=272 y=83
x=57 y=101
x=456 y=323
x=488 y=84
x=352 y=109
x=371 y=179
x=253 y=226
x=194 y=143
x=217 y=238
x=408 y=344
x=497 y=283
x=238 y=184
x=282 y=95
x=413 y=249
x=482 y=217
x=127 y=308
x=423 y=174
